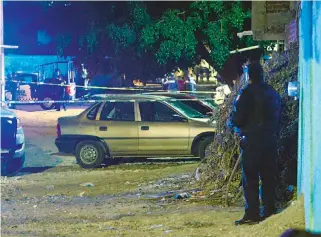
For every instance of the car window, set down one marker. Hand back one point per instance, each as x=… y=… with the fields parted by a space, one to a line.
x=198 y=106
x=93 y=112
x=26 y=78
x=118 y=111
x=156 y=112
x=185 y=109
x=208 y=101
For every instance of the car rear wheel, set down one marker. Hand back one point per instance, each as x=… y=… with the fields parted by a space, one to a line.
x=47 y=105
x=203 y=147
x=90 y=154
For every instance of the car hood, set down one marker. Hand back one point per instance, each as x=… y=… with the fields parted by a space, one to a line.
x=203 y=120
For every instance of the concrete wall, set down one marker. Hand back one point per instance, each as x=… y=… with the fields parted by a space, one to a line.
x=269 y=19
x=309 y=160
x=277 y=6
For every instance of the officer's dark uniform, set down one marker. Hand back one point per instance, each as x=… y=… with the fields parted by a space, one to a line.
x=61 y=94
x=256 y=115
x=60 y=90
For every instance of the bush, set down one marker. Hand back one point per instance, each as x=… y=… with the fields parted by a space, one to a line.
x=282 y=69
x=216 y=169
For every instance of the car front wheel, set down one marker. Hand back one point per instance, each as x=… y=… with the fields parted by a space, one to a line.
x=203 y=146
x=90 y=154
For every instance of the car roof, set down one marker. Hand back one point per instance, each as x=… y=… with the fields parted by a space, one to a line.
x=128 y=97
x=25 y=73
x=179 y=95
x=171 y=94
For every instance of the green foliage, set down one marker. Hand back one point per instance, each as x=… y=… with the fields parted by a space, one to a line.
x=204 y=29
x=216 y=169
x=62 y=41
x=140 y=17
x=219 y=41
x=121 y=36
x=124 y=35
x=176 y=35
x=282 y=69
x=91 y=40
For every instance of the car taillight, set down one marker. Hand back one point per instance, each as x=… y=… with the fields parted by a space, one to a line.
x=70 y=90
x=19 y=123
x=58 y=130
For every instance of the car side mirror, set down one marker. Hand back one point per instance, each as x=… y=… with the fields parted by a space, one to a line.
x=178 y=118
x=209 y=113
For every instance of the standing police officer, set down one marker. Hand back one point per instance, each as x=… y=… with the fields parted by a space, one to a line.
x=256 y=117
x=60 y=90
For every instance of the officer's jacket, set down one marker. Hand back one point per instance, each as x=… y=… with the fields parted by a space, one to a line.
x=257 y=110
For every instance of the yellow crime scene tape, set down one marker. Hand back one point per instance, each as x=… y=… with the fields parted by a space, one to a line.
x=145 y=88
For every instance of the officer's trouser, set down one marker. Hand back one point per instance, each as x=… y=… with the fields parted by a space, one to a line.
x=259 y=160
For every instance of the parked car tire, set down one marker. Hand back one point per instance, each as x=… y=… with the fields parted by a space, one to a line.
x=203 y=146
x=90 y=154
x=12 y=167
x=47 y=106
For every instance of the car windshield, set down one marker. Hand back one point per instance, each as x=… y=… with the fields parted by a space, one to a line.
x=185 y=109
x=209 y=102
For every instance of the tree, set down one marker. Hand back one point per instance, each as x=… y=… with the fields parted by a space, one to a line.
x=206 y=28
x=203 y=30
x=121 y=38
x=179 y=37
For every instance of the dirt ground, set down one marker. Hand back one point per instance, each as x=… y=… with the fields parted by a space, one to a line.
x=53 y=196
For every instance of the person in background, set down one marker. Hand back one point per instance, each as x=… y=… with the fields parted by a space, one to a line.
x=190 y=83
x=61 y=90
x=256 y=118
x=13 y=88
x=181 y=84
x=164 y=84
x=125 y=82
x=172 y=83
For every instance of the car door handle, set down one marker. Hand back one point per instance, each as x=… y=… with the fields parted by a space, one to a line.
x=102 y=128
x=144 y=128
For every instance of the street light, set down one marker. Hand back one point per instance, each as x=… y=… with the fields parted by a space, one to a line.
x=244 y=33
